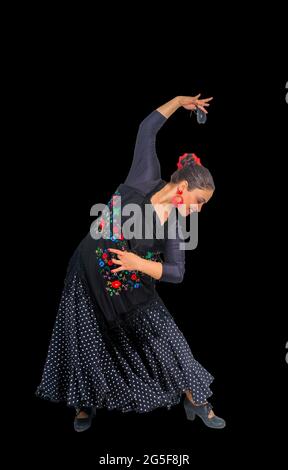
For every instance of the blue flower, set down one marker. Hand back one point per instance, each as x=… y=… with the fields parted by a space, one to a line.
x=101 y=263
x=136 y=285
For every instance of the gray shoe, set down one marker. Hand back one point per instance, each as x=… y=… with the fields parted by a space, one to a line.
x=82 y=424
x=203 y=411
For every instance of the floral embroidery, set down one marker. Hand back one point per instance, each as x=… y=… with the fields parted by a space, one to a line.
x=106 y=221
x=122 y=280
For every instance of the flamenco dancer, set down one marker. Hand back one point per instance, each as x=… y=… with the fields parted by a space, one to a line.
x=115 y=344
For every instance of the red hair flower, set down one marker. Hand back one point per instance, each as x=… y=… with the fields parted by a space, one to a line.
x=179 y=164
x=193 y=156
x=196 y=159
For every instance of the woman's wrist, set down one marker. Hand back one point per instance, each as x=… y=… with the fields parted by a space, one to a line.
x=170 y=107
x=141 y=264
x=151 y=268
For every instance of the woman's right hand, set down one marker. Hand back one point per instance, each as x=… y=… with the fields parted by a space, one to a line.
x=193 y=102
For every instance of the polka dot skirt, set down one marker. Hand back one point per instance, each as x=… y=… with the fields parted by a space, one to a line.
x=147 y=364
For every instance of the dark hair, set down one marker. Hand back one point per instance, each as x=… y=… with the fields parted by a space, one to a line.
x=191 y=170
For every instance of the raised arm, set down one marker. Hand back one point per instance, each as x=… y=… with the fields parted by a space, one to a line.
x=145 y=168
x=145 y=165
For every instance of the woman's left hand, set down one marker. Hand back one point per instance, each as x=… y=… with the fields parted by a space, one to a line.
x=127 y=261
x=193 y=102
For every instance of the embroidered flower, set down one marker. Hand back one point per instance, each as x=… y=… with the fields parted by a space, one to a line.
x=116 y=284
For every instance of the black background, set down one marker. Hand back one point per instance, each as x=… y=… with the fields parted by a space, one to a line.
x=83 y=99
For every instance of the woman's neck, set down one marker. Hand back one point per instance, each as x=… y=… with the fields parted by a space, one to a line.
x=162 y=201
x=164 y=195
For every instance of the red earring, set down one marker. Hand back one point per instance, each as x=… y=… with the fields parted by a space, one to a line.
x=178 y=199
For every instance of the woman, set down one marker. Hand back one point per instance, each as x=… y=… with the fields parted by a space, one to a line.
x=114 y=342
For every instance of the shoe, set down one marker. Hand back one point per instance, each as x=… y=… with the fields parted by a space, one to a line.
x=82 y=424
x=203 y=411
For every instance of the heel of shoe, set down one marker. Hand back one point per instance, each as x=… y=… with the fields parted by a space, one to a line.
x=190 y=414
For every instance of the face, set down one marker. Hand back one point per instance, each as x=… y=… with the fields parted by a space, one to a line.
x=193 y=200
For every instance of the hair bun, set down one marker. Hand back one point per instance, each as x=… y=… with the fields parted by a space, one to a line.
x=188 y=159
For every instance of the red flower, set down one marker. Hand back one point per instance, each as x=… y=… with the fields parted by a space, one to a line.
x=110 y=262
x=196 y=159
x=116 y=284
x=104 y=256
x=134 y=277
x=179 y=164
x=101 y=224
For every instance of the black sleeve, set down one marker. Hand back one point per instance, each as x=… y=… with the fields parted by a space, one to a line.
x=145 y=165
x=174 y=261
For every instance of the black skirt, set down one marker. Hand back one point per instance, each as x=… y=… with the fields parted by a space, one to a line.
x=143 y=364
